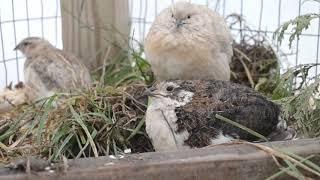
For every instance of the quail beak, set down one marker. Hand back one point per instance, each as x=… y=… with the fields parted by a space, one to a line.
x=150 y=92
x=17 y=47
x=179 y=23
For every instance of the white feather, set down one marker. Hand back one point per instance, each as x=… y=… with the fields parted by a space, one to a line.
x=221 y=139
x=161 y=123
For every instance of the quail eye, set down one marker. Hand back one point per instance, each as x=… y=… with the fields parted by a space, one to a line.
x=188 y=16
x=172 y=15
x=170 y=88
x=26 y=44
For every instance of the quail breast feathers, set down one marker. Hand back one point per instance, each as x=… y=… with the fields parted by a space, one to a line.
x=188 y=41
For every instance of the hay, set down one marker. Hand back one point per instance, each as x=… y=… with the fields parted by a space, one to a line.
x=254 y=63
x=95 y=122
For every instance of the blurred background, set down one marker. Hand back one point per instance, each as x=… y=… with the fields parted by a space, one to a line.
x=96 y=29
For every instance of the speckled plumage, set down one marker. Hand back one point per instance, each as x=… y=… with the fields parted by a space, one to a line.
x=195 y=115
x=47 y=70
x=188 y=41
x=236 y=102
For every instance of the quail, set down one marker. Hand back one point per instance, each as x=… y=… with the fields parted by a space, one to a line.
x=182 y=114
x=47 y=70
x=188 y=41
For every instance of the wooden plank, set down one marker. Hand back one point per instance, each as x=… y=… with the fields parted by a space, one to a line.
x=91 y=27
x=237 y=161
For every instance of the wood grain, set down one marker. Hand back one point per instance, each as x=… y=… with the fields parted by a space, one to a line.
x=89 y=27
x=230 y=162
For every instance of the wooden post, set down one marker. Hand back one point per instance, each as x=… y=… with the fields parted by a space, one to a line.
x=91 y=28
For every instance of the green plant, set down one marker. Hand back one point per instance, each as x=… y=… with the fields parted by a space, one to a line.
x=94 y=122
x=297 y=92
x=299 y=24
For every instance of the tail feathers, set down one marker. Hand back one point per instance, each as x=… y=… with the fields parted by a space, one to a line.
x=283 y=134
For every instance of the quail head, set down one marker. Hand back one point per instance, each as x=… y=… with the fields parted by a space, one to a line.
x=182 y=114
x=188 y=41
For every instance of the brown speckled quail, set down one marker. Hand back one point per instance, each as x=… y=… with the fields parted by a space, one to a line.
x=182 y=114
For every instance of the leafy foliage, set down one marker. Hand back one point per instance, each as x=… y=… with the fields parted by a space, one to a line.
x=299 y=97
x=127 y=68
x=296 y=91
x=299 y=24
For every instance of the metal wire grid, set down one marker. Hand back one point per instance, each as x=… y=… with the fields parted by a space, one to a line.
x=143 y=13
x=20 y=19
x=262 y=16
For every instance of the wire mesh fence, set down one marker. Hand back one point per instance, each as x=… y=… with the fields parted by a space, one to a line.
x=19 y=19
x=261 y=16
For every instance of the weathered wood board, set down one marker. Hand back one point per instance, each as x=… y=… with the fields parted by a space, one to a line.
x=91 y=27
x=236 y=161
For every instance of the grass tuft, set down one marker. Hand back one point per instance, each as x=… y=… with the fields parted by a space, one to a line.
x=94 y=122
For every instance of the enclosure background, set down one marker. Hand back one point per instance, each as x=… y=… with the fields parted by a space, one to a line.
x=22 y=18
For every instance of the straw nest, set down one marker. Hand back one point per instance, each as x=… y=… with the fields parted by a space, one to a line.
x=254 y=63
x=95 y=122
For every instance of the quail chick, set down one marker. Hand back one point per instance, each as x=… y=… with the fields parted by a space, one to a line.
x=182 y=114
x=188 y=41
x=13 y=96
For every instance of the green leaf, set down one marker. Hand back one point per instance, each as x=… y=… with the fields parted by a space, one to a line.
x=78 y=119
x=44 y=117
x=136 y=130
x=299 y=24
x=63 y=145
x=93 y=135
